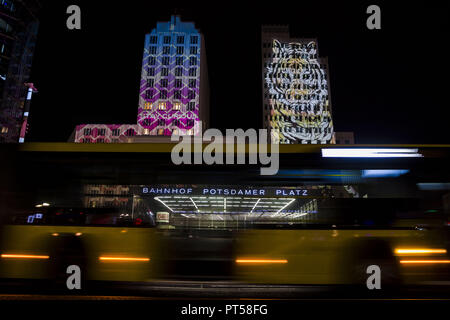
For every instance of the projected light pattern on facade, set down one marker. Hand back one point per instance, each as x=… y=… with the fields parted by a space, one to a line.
x=170 y=82
x=170 y=99
x=296 y=94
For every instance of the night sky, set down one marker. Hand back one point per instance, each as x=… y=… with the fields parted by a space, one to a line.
x=388 y=86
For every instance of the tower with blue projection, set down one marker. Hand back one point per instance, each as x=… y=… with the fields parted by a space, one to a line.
x=174 y=90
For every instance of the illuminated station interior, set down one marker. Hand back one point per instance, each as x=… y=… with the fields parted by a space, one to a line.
x=218 y=206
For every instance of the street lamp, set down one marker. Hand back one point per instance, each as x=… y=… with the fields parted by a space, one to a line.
x=40 y=205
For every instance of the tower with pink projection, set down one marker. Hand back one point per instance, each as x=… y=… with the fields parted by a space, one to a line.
x=174 y=91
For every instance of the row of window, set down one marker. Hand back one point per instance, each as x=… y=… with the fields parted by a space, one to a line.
x=159 y=132
x=102 y=132
x=304 y=141
x=179 y=39
x=299 y=118
x=297 y=86
x=304 y=107
x=178 y=72
x=163 y=94
x=162 y=105
x=304 y=130
x=305 y=56
x=305 y=76
x=296 y=96
x=163 y=122
x=87 y=140
x=165 y=61
x=307 y=67
x=88 y=132
x=192 y=83
x=166 y=50
x=295 y=46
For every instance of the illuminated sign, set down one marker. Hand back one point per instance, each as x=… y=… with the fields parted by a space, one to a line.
x=162 y=217
x=255 y=192
x=31 y=218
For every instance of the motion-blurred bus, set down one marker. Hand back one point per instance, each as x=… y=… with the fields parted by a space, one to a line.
x=317 y=222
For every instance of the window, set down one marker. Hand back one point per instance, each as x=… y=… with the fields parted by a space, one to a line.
x=192 y=72
x=180 y=50
x=87 y=132
x=164 y=83
x=148 y=106
x=150 y=83
x=162 y=106
x=151 y=72
x=177 y=106
x=178 y=83
x=177 y=94
x=152 y=61
x=160 y=132
x=194 y=39
x=180 y=39
x=161 y=122
x=146 y=122
x=115 y=132
x=86 y=140
x=191 y=106
x=152 y=50
x=179 y=61
x=153 y=39
x=167 y=40
x=193 y=61
x=192 y=83
x=178 y=72
x=101 y=132
x=100 y=140
x=149 y=94
x=190 y=122
x=115 y=141
x=163 y=94
x=130 y=132
x=166 y=50
x=164 y=72
x=191 y=94
x=5 y=129
x=165 y=61
x=193 y=50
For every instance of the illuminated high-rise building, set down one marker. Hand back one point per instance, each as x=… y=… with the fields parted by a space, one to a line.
x=174 y=91
x=19 y=27
x=296 y=95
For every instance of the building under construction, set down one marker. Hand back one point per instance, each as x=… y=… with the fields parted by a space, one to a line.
x=18 y=31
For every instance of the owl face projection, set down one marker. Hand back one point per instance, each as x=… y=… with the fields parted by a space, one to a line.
x=298 y=94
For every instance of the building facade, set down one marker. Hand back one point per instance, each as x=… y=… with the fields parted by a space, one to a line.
x=174 y=90
x=345 y=137
x=296 y=94
x=18 y=32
